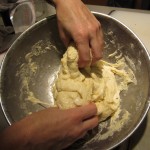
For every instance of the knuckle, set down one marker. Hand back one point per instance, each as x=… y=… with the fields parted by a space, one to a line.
x=86 y=60
x=96 y=120
x=80 y=35
x=92 y=28
x=94 y=123
x=97 y=57
x=74 y=116
x=97 y=25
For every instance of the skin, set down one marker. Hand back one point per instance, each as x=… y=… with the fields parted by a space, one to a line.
x=78 y=24
x=51 y=128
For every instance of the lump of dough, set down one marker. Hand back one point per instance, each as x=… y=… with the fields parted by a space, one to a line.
x=97 y=84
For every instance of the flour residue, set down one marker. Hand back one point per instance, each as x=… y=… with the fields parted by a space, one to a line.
x=122 y=69
x=100 y=83
x=29 y=69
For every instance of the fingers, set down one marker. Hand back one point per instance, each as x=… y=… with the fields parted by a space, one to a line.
x=85 y=126
x=82 y=119
x=97 y=45
x=63 y=35
x=95 y=50
x=90 y=120
x=83 y=113
x=89 y=44
x=90 y=123
x=84 y=53
x=87 y=111
x=82 y=27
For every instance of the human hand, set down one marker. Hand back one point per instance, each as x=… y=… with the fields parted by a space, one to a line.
x=77 y=23
x=51 y=128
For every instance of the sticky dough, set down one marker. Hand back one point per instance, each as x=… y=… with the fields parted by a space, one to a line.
x=97 y=84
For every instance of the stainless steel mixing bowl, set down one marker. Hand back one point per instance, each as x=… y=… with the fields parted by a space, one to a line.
x=118 y=37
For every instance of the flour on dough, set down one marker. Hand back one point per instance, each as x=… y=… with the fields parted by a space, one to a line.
x=101 y=84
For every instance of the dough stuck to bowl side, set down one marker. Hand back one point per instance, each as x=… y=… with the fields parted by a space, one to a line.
x=100 y=83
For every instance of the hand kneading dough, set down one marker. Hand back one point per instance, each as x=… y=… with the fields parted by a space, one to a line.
x=96 y=84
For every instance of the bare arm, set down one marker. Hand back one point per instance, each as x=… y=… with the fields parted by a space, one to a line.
x=51 y=128
x=77 y=23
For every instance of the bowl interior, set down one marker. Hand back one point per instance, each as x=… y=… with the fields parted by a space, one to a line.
x=35 y=58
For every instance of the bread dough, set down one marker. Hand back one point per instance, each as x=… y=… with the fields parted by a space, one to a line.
x=101 y=84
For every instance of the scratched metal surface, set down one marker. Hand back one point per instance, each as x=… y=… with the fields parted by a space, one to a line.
x=47 y=29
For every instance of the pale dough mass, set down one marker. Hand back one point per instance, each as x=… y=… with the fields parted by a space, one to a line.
x=101 y=84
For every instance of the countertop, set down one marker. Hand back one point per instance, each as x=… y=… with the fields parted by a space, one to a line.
x=131 y=18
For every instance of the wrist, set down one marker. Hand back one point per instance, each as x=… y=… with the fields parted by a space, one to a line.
x=57 y=2
x=14 y=137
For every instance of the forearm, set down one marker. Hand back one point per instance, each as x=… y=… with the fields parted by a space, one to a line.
x=55 y=2
x=51 y=128
x=27 y=135
x=24 y=135
x=14 y=137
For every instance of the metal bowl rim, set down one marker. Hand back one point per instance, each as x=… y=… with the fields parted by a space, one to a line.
x=147 y=105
